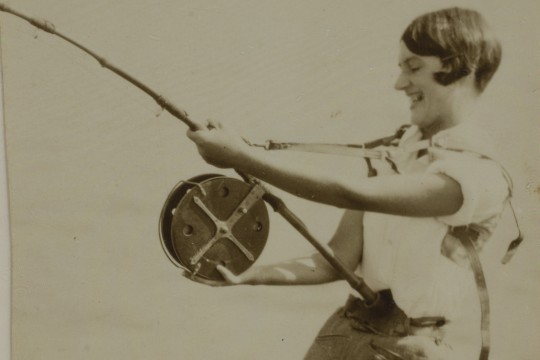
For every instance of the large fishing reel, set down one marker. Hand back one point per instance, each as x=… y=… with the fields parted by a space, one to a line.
x=212 y=220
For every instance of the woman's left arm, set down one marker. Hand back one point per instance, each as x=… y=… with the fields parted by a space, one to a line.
x=409 y=195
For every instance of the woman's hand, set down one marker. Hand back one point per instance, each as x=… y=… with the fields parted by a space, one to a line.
x=219 y=145
x=228 y=278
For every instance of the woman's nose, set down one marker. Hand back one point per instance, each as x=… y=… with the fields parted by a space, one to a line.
x=402 y=81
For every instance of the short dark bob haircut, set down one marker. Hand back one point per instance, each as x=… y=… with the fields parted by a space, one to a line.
x=462 y=40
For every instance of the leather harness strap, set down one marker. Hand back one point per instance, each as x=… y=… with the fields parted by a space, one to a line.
x=463 y=233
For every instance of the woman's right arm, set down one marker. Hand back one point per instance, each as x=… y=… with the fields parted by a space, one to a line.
x=346 y=244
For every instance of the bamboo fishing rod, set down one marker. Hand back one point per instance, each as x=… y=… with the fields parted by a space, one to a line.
x=371 y=298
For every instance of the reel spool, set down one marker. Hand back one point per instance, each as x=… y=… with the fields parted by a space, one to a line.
x=212 y=219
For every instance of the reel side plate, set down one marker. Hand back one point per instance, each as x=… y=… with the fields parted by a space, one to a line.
x=216 y=220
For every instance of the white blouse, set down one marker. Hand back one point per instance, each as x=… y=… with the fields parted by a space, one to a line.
x=405 y=254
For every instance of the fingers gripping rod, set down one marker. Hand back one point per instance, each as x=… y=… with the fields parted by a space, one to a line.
x=279 y=206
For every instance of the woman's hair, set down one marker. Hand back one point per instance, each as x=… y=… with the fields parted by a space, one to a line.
x=461 y=39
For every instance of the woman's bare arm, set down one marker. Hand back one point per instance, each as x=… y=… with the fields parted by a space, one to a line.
x=408 y=195
x=346 y=245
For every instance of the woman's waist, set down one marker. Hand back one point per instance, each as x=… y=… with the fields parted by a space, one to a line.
x=387 y=319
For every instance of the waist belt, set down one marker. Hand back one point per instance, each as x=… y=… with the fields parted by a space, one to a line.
x=386 y=318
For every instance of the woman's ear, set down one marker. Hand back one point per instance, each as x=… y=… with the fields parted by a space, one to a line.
x=452 y=70
x=446 y=67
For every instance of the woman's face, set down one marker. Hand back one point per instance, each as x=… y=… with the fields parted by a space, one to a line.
x=431 y=103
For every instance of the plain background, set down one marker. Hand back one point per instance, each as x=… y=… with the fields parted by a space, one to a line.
x=91 y=159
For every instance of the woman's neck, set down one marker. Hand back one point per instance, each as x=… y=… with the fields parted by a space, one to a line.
x=431 y=129
x=461 y=115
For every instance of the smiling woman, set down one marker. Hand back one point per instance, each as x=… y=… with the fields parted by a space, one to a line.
x=474 y=51
x=90 y=164
x=434 y=107
x=455 y=45
x=415 y=259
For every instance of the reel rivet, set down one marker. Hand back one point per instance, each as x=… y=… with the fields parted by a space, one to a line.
x=223 y=230
x=224 y=191
x=188 y=230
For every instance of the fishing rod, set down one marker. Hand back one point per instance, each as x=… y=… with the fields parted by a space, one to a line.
x=191 y=222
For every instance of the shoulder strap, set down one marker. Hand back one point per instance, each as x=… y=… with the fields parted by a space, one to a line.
x=513 y=246
x=391 y=140
x=463 y=233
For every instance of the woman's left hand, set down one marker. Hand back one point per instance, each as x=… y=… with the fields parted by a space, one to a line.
x=219 y=145
x=229 y=278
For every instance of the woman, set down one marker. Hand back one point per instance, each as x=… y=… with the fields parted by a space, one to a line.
x=397 y=227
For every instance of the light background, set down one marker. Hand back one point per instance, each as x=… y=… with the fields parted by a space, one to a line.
x=90 y=164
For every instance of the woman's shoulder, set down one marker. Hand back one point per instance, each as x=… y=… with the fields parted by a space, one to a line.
x=468 y=138
x=467 y=154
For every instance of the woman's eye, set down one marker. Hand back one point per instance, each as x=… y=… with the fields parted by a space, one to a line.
x=413 y=70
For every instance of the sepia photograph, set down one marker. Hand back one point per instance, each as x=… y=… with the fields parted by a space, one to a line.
x=230 y=180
